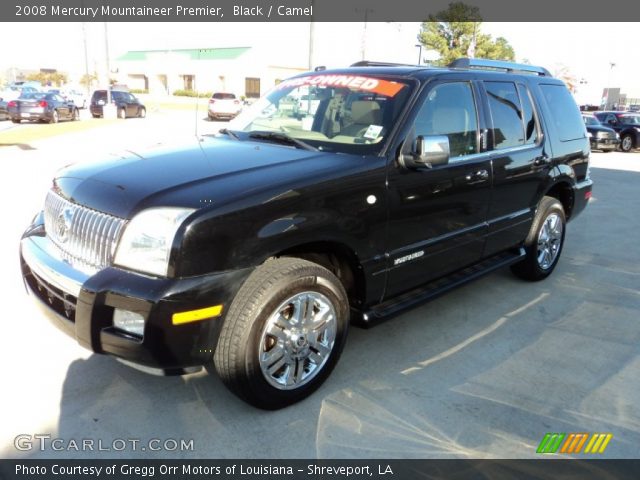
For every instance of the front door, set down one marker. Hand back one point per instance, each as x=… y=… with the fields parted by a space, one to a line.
x=437 y=216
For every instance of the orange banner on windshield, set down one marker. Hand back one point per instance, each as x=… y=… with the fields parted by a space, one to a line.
x=365 y=84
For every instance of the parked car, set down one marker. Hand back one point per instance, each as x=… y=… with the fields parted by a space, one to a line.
x=13 y=92
x=78 y=98
x=600 y=136
x=127 y=104
x=4 y=114
x=626 y=124
x=224 y=106
x=251 y=253
x=42 y=107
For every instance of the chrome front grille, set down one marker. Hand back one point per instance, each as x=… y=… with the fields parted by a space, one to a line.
x=86 y=238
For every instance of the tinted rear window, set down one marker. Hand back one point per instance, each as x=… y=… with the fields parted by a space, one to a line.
x=32 y=96
x=565 y=113
x=224 y=96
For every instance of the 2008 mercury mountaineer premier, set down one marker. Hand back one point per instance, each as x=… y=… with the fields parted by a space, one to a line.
x=340 y=196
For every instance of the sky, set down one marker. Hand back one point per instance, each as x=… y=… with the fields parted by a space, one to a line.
x=335 y=45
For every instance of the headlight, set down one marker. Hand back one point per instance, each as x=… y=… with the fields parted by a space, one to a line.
x=146 y=243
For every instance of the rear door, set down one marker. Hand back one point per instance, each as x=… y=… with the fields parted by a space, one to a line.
x=520 y=161
x=437 y=216
x=61 y=105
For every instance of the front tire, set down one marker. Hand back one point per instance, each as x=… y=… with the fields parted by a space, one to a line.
x=626 y=143
x=544 y=243
x=76 y=115
x=283 y=334
x=122 y=113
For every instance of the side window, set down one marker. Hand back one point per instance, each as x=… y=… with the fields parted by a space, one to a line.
x=450 y=110
x=564 y=111
x=528 y=116
x=507 y=115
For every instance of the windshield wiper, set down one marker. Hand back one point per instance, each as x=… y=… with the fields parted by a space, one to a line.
x=231 y=133
x=282 y=138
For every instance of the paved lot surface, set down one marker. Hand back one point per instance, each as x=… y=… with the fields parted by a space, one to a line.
x=484 y=371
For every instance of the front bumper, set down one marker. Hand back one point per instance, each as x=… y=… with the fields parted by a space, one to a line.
x=82 y=306
x=604 y=144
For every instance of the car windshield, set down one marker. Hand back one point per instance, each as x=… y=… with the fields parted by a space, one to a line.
x=589 y=120
x=629 y=119
x=340 y=113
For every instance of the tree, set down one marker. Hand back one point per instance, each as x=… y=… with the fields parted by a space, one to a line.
x=455 y=33
x=48 y=78
x=88 y=80
x=563 y=73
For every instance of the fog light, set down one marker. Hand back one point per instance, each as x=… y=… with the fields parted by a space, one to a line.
x=130 y=322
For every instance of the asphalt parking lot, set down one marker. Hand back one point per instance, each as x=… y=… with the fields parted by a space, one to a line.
x=483 y=372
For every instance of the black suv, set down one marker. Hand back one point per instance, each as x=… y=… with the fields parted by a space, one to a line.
x=253 y=250
x=126 y=103
x=626 y=124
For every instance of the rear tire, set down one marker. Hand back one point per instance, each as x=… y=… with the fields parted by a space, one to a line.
x=544 y=243
x=122 y=114
x=283 y=333
x=142 y=113
x=54 y=117
x=76 y=115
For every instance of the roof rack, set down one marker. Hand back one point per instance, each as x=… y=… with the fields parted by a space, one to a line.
x=510 y=67
x=369 y=63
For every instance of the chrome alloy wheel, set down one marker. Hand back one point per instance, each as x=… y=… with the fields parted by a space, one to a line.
x=549 y=241
x=297 y=340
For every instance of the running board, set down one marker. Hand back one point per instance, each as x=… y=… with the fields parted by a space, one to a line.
x=399 y=304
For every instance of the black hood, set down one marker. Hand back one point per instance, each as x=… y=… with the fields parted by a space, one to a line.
x=204 y=173
x=599 y=128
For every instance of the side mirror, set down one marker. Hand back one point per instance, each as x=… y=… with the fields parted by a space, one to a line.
x=429 y=151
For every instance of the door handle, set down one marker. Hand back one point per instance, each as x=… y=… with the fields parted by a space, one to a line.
x=541 y=160
x=477 y=177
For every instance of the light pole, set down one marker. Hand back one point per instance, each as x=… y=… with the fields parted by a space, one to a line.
x=311 y=34
x=419 y=46
x=606 y=103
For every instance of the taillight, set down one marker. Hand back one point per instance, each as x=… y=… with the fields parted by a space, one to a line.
x=236 y=102
x=12 y=104
x=211 y=100
x=43 y=103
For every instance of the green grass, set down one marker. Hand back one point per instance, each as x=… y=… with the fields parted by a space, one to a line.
x=24 y=136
